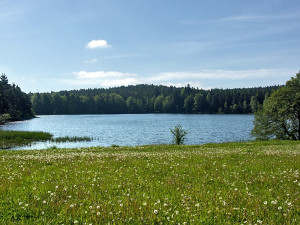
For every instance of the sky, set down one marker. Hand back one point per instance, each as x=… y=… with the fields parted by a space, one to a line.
x=65 y=45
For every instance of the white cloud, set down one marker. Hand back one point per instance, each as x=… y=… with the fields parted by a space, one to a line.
x=101 y=74
x=242 y=18
x=215 y=75
x=98 y=44
x=92 y=61
x=205 y=79
x=101 y=79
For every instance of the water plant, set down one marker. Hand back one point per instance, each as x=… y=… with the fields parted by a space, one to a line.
x=71 y=139
x=9 y=139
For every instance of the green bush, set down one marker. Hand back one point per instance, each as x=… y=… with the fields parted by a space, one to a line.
x=179 y=135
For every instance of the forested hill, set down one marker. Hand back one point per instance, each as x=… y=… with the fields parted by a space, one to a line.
x=151 y=99
x=14 y=104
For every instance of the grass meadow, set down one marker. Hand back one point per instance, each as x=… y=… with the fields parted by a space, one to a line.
x=232 y=183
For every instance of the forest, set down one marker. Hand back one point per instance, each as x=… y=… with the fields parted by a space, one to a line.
x=151 y=99
x=14 y=104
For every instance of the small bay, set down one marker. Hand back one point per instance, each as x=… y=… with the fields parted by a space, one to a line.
x=137 y=129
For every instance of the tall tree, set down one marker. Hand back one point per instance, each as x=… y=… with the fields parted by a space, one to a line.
x=280 y=116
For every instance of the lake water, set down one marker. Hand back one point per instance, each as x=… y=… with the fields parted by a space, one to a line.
x=137 y=129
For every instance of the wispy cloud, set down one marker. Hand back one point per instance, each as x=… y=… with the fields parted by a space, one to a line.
x=92 y=61
x=245 y=18
x=178 y=79
x=215 y=75
x=98 y=44
x=101 y=74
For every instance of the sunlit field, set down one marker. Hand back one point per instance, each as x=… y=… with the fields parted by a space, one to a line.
x=233 y=183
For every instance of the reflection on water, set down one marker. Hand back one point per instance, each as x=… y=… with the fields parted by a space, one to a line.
x=137 y=129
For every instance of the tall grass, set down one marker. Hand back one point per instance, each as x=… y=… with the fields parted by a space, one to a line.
x=9 y=139
x=71 y=139
x=235 y=183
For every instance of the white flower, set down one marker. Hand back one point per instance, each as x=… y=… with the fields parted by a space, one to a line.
x=259 y=221
x=265 y=202
x=279 y=208
x=155 y=211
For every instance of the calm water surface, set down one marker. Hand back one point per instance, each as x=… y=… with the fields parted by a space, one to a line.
x=140 y=129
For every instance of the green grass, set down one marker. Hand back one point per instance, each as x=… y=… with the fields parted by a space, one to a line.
x=9 y=139
x=71 y=139
x=232 y=183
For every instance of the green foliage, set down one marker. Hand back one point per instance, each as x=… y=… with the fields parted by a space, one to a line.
x=234 y=183
x=14 y=104
x=179 y=135
x=150 y=99
x=280 y=116
x=4 y=118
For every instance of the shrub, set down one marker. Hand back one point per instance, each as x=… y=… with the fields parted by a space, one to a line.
x=179 y=135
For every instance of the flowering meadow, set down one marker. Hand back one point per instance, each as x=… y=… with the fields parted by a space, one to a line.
x=232 y=183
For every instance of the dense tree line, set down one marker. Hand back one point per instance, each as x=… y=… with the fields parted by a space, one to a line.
x=151 y=99
x=14 y=104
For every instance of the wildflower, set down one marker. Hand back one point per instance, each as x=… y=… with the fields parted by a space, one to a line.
x=265 y=202
x=259 y=221
x=279 y=208
x=44 y=202
x=71 y=206
x=274 y=202
x=197 y=205
x=75 y=221
x=155 y=211
x=145 y=203
x=98 y=213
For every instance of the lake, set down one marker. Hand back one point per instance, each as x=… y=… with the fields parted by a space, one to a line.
x=137 y=129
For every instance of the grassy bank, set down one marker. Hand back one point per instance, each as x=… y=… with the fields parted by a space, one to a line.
x=234 y=183
x=9 y=139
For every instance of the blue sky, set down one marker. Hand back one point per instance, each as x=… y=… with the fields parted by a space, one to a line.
x=63 y=45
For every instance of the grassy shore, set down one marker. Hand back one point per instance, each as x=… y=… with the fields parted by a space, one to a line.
x=233 y=183
x=11 y=139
